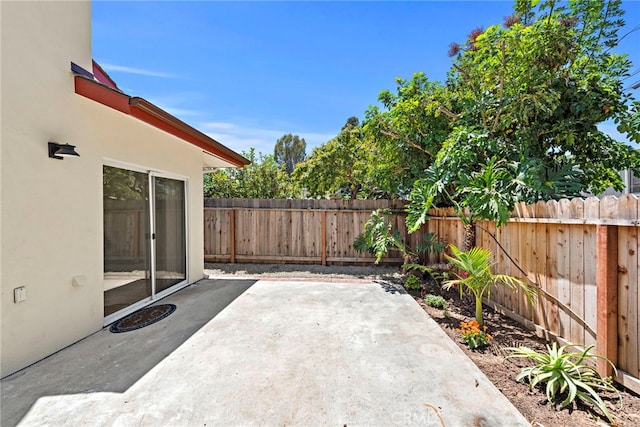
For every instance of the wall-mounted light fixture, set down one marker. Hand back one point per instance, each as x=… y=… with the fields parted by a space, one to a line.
x=60 y=151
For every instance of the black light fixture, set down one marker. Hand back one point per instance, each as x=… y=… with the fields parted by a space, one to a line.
x=60 y=151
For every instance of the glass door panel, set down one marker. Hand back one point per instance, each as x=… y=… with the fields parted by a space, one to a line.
x=170 y=232
x=127 y=254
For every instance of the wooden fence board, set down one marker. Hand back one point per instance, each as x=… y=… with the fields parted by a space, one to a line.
x=591 y=211
x=590 y=292
x=564 y=208
x=489 y=243
x=623 y=300
x=514 y=245
x=563 y=261
x=507 y=266
x=627 y=275
x=484 y=232
x=540 y=273
x=527 y=241
x=576 y=241
x=634 y=348
x=553 y=312
x=632 y=307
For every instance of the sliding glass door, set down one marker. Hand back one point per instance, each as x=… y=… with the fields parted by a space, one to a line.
x=145 y=238
x=170 y=233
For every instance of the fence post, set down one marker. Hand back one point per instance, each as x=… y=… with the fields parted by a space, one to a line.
x=323 y=227
x=607 y=296
x=232 y=234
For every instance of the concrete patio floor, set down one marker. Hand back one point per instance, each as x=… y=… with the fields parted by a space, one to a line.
x=282 y=353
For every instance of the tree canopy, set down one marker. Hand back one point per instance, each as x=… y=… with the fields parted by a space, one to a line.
x=338 y=167
x=289 y=151
x=263 y=178
x=407 y=133
x=526 y=99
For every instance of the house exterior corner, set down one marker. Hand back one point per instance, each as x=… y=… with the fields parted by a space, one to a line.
x=54 y=233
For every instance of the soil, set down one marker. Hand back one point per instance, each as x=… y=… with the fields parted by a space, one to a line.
x=491 y=359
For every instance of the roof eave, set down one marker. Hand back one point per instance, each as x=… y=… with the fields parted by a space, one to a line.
x=156 y=117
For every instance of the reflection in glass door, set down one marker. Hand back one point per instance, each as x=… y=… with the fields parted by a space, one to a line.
x=170 y=233
x=127 y=253
x=144 y=238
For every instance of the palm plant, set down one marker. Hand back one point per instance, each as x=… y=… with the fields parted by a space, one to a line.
x=475 y=275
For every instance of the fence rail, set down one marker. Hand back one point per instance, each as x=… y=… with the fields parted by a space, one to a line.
x=582 y=253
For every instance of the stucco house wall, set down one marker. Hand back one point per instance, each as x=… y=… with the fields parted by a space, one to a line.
x=51 y=227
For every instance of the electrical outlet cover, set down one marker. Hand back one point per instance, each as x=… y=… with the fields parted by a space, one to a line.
x=19 y=294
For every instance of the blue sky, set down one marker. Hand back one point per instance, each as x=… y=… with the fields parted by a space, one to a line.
x=246 y=73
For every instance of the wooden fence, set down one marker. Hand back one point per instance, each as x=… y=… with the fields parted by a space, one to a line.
x=295 y=231
x=581 y=253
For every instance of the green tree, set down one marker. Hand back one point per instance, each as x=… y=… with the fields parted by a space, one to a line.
x=263 y=178
x=338 y=167
x=527 y=99
x=289 y=151
x=407 y=133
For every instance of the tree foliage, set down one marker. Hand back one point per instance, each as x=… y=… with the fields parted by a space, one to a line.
x=263 y=178
x=289 y=151
x=525 y=101
x=407 y=133
x=338 y=167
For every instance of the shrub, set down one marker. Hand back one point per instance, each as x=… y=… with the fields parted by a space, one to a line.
x=412 y=282
x=566 y=374
x=378 y=238
x=435 y=301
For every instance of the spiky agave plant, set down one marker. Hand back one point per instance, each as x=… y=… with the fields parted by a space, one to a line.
x=567 y=374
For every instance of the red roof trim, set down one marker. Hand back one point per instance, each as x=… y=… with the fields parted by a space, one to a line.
x=102 y=94
x=156 y=117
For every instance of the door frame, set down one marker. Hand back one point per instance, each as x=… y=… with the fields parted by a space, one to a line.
x=152 y=173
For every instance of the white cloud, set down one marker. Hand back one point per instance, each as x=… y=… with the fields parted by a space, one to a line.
x=140 y=71
x=241 y=138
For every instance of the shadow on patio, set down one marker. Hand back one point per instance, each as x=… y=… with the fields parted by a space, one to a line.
x=107 y=362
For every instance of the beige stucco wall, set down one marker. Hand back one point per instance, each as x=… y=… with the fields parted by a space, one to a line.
x=51 y=210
